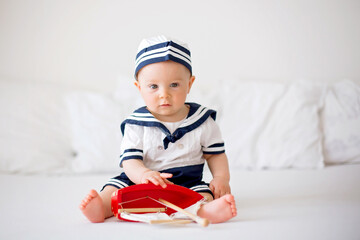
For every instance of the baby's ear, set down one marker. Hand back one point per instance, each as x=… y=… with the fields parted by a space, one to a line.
x=137 y=84
x=191 y=81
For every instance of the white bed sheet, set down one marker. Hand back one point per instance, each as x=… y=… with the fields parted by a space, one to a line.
x=287 y=204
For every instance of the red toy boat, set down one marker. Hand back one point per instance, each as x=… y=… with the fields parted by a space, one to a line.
x=148 y=198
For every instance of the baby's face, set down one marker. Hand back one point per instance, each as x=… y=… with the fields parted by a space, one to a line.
x=164 y=87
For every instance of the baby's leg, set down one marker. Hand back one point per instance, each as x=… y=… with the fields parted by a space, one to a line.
x=218 y=210
x=96 y=207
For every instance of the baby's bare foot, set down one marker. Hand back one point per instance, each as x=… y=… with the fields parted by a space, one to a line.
x=219 y=210
x=92 y=207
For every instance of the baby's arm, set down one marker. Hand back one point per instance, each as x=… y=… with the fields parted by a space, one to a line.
x=219 y=168
x=138 y=173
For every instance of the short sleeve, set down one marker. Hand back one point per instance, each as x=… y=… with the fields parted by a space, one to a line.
x=211 y=139
x=132 y=143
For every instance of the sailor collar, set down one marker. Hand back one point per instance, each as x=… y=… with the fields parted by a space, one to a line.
x=197 y=115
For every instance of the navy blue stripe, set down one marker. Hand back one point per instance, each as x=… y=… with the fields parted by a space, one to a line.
x=216 y=152
x=182 y=131
x=161 y=45
x=115 y=182
x=144 y=124
x=132 y=157
x=123 y=178
x=216 y=145
x=163 y=59
x=133 y=150
x=193 y=108
x=142 y=110
x=187 y=51
x=138 y=60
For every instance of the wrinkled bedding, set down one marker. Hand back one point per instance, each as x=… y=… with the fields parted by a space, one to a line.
x=284 y=204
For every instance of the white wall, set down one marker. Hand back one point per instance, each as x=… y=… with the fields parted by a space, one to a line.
x=91 y=43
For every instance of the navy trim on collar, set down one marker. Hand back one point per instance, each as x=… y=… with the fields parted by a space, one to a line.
x=197 y=115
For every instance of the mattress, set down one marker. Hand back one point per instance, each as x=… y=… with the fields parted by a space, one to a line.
x=286 y=204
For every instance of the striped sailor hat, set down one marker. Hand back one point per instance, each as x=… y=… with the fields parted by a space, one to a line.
x=161 y=49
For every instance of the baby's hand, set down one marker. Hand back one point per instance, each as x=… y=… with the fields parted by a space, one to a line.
x=156 y=178
x=219 y=186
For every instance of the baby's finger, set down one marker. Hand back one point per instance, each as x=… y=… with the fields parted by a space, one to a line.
x=162 y=183
x=166 y=175
x=145 y=181
x=159 y=181
x=168 y=182
x=153 y=181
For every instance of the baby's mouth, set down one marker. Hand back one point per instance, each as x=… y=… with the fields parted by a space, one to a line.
x=165 y=105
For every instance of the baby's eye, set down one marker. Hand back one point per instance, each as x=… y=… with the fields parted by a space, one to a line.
x=153 y=86
x=174 y=85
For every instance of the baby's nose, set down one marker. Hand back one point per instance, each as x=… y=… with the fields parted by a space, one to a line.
x=164 y=93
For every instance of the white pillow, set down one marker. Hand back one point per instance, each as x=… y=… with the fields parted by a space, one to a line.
x=272 y=125
x=341 y=123
x=34 y=134
x=96 y=135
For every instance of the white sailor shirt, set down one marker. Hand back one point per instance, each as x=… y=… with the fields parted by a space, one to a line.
x=180 y=153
